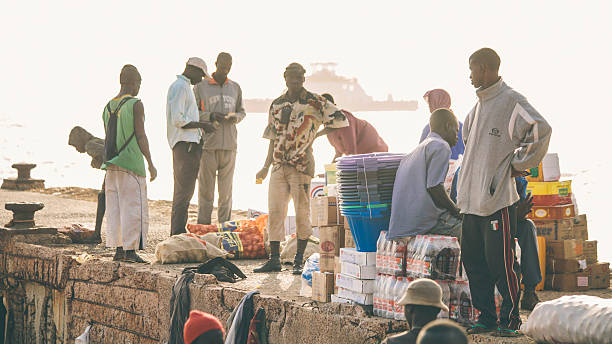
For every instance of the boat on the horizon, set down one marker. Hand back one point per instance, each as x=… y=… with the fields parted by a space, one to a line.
x=347 y=93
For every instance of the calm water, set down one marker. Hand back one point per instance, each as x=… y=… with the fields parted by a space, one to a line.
x=25 y=139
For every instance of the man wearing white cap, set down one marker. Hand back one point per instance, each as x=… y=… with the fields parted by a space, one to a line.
x=184 y=131
x=422 y=302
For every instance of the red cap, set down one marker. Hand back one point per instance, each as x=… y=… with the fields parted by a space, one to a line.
x=198 y=324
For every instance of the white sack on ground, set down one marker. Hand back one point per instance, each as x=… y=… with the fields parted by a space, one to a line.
x=578 y=319
x=289 y=247
x=184 y=248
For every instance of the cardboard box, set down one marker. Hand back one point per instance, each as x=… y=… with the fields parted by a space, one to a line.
x=331 y=239
x=590 y=251
x=575 y=281
x=562 y=188
x=563 y=229
x=337 y=270
x=338 y=299
x=360 y=298
x=322 y=286
x=536 y=174
x=349 y=241
x=599 y=275
x=355 y=284
x=564 y=249
x=580 y=227
x=346 y=223
x=358 y=271
x=550 y=167
x=556 y=212
x=551 y=200
x=351 y=255
x=559 y=266
x=337 y=265
x=599 y=281
x=555 y=229
x=324 y=211
x=326 y=263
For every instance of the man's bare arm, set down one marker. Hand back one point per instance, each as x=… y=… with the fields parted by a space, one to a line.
x=141 y=137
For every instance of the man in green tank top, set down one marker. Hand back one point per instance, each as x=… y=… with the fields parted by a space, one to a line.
x=127 y=211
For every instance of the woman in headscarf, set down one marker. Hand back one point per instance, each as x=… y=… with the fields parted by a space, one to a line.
x=439 y=98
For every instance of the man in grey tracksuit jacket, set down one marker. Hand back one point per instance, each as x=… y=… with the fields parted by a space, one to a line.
x=219 y=101
x=503 y=135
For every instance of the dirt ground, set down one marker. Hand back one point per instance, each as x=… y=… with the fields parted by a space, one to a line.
x=65 y=206
x=68 y=205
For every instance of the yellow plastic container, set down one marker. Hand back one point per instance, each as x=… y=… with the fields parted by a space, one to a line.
x=563 y=188
x=542 y=258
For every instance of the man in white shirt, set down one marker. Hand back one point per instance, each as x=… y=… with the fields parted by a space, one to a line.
x=184 y=131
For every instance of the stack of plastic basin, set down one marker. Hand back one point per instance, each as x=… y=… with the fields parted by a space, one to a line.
x=365 y=190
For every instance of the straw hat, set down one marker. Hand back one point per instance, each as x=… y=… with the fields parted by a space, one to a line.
x=423 y=292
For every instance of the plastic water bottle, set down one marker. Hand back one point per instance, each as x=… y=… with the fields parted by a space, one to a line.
x=382 y=238
x=400 y=287
x=446 y=298
x=377 y=288
x=390 y=309
x=399 y=258
x=382 y=289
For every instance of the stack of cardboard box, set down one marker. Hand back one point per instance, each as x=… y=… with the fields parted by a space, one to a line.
x=356 y=279
x=571 y=259
x=330 y=224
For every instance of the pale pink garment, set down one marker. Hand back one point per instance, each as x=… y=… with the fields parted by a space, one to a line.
x=359 y=137
x=437 y=98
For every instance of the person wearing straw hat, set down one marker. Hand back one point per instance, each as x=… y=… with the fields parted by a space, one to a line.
x=293 y=124
x=184 y=131
x=422 y=302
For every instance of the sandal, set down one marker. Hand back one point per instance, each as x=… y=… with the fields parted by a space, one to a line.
x=479 y=328
x=506 y=332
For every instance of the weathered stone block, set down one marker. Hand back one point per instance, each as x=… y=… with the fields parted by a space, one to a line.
x=129 y=299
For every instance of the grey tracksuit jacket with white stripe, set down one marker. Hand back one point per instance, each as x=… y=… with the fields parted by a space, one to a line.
x=503 y=131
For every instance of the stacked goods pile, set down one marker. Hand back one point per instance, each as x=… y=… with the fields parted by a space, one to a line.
x=331 y=241
x=365 y=190
x=391 y=279
x=424 y=256
x=355 y=280
x=243 y=239
x=571 y=259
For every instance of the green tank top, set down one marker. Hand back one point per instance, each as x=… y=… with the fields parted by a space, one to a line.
x=130 y=157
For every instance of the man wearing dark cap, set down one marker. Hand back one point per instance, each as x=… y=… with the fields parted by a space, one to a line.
x=126 y=144
x=293 y=123
x=184 y=130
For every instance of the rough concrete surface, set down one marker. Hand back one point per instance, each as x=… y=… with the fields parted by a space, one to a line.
x=55 y=292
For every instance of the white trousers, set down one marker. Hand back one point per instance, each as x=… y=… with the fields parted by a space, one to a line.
x=127 y=210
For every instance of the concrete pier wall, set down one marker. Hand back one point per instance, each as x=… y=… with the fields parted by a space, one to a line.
x=52 y=297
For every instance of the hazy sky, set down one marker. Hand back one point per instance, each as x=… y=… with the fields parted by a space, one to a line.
x=61 y=59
